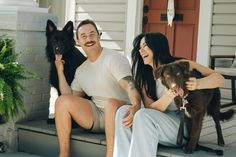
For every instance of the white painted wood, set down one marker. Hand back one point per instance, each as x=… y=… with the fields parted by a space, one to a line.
x=101 y=1
x=224 y=29
x=225 y=8
x=111 y=35
x=70 y=11
x=204 y=32
x=224 y=1
x=102 y=8
x=29 y=3
x=217 y=50
x=110 y=18
x=133 y=24
x=117 y=45
x=224 y=40
x=106 y=26
x=224 y=19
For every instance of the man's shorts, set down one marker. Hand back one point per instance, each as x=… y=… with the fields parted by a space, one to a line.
x=99 y=122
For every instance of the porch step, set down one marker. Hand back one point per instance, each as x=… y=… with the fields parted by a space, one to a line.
x=37 y=137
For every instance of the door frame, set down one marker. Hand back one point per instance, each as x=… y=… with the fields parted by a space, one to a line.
x=204 y=28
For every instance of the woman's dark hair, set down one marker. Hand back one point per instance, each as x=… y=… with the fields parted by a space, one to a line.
x=143 y=74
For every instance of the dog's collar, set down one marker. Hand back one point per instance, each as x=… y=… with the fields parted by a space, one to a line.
x=184 y=102
x=185 y=96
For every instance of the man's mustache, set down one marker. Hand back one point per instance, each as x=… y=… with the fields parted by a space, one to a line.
x=89 y=43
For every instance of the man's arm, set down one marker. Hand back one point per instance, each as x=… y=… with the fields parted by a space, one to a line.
x=127 y=83
x=63 y=85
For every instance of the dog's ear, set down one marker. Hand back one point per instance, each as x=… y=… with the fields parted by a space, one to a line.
x=158 y=72
x=69 y=28
x=50 y=27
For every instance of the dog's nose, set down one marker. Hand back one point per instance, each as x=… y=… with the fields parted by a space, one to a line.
x=57 y=49
x=173 y=85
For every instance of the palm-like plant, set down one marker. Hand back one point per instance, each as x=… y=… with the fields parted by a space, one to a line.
x=11 y=72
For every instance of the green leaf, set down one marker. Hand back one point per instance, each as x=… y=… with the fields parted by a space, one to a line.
x=11 y=101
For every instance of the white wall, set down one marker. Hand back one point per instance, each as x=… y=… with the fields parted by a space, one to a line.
x=110 y=18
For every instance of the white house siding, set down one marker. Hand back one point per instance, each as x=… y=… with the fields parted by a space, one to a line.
x=223 y=39
x=110 y=18
x=223 y=34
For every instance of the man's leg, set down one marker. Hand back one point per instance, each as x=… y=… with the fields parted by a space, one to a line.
x=110 y=111
x=68 y=107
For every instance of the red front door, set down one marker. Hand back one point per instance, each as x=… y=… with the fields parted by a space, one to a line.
x=182 y=36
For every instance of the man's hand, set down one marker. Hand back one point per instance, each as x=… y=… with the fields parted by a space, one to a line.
x=59 y=63
x=129 y=116
x=192 y=83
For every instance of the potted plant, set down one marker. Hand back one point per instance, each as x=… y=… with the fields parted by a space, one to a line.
x=11 y=72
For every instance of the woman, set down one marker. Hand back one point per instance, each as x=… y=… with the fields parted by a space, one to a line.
x=158 y=122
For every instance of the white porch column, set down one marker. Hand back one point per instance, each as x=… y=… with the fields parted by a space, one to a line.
x=134 y=24
x=204 y=32
x=25 y=22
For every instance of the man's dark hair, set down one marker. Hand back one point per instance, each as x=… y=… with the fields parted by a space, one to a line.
x=85 y=22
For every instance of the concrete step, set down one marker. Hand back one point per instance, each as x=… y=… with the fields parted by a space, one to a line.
x=18 y=154
x=37 y=137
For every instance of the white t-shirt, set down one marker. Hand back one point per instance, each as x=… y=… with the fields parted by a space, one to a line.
x=99 y=79
x=161 y=90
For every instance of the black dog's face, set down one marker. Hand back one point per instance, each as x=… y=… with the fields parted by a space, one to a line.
x=174 y=76
x=59 y=41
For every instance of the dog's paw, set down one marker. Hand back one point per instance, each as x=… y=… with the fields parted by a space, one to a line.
x=188 y=150
x=221 y=143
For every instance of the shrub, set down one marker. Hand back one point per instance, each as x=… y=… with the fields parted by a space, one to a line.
x=11 y=72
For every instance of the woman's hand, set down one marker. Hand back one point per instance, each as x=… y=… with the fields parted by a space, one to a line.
x=171 y=93
x=192 y=83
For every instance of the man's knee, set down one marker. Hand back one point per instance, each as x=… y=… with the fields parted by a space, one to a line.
x=62 y=103
x=112 y=105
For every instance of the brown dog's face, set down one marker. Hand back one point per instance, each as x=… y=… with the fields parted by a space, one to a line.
x=174 y=76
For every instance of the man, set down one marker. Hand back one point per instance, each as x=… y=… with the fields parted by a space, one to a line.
x=106 y=77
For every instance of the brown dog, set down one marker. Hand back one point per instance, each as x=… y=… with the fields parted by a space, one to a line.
x=174 y=76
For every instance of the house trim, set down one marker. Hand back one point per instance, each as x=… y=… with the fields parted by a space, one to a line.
x=204 y=32
x=70 y=11
x=133 y=24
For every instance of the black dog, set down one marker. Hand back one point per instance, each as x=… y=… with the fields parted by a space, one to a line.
x=197 y=102
x=61 y=42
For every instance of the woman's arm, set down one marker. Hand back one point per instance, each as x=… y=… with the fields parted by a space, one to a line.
x=212 y=79
x=161 y=104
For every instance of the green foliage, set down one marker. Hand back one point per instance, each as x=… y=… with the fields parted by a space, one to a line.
x=11 y=72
